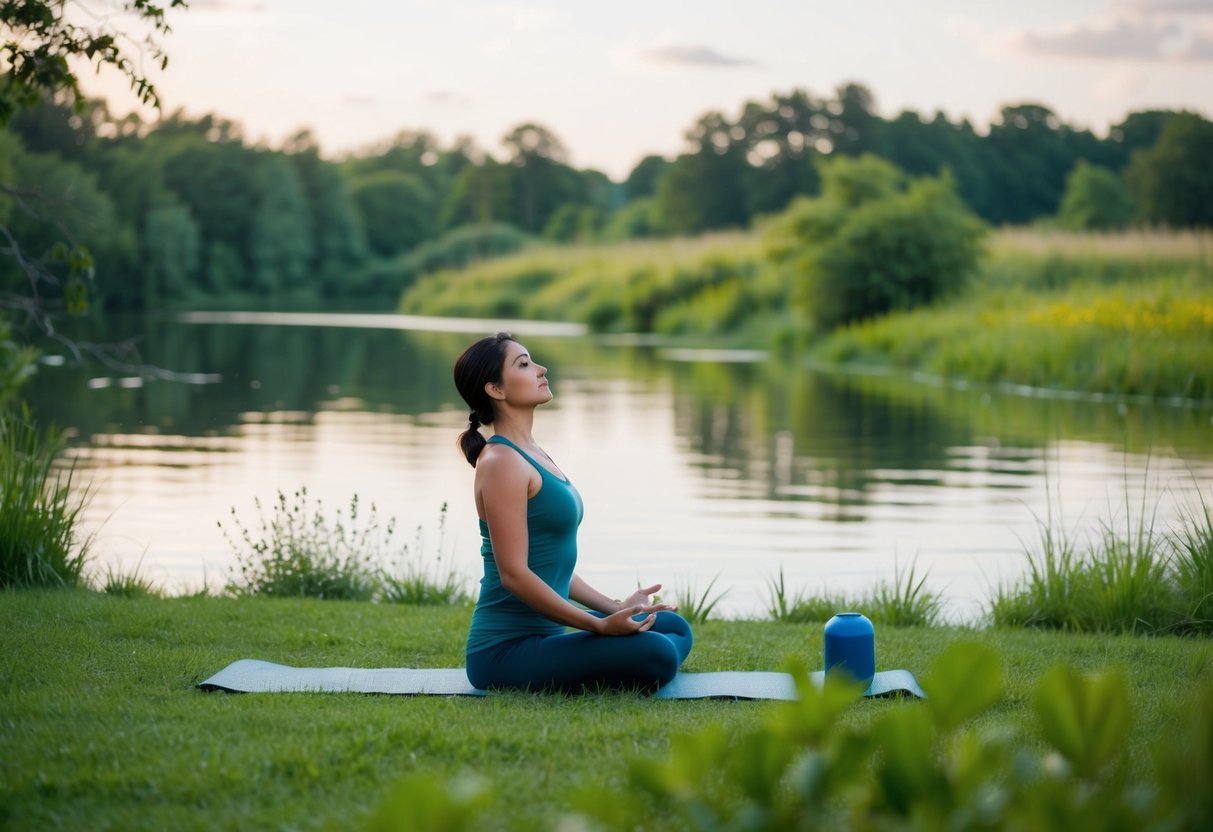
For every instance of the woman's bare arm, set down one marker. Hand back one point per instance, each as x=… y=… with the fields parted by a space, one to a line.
x=502 y=484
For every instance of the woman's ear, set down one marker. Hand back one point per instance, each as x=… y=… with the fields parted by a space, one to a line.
x=495 y=391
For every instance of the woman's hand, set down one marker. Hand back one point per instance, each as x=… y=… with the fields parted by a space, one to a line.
x=622 y=623
x=641 y=598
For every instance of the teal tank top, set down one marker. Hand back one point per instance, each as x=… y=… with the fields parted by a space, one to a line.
x=552 y=518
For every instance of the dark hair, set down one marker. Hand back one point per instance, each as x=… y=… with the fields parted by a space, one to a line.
x=480 y=364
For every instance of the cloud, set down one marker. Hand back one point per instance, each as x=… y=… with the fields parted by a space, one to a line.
x=673 y=55
x=451 y=97
x=1168 y=7
x=246 y=6
x=1159 y=35
x=526 y=18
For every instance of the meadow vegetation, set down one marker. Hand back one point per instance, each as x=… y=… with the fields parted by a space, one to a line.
x=1125 y=314
x=105 y=729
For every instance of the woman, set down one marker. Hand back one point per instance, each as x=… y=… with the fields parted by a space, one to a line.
x=529 y=513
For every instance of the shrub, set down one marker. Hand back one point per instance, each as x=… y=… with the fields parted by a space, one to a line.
x=39 y=540
x=296 y=551
x=893 y=253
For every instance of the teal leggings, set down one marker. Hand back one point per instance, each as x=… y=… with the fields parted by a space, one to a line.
x=577 y=661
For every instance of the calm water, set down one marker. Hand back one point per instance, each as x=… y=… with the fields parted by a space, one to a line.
x=694 y=465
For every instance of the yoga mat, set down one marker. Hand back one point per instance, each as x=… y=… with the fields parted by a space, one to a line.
x=253 y=676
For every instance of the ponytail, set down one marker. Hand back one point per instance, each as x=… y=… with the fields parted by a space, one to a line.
x=472 y=441
x=480 y=364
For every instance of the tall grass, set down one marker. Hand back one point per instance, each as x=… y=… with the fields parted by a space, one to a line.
x=1136 y=580
x=128 y=584
x=693 y=605
x=903 y=601
x=40 y=543
x=413 y=579
x=1192 y=567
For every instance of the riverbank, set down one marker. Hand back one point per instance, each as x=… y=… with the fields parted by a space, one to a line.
x=105 y=730
x=1127 y=314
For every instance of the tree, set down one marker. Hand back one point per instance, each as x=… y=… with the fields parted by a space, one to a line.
x=396 y=209
x=339 y=241
x=280 y=243
x=44 y=43
x=540 y=180
x=704 y=189
x=39 y=56
x=1029 y=161
x=1095 y=200
x=1172 y=182
x=643 y=179
x=1138 y=131
x=171 y=250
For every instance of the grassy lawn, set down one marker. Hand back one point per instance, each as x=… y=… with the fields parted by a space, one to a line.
x=103 y=729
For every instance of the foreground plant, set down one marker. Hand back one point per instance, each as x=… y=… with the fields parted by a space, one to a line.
x=948 y=762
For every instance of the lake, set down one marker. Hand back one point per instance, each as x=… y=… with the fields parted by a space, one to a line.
x=694 y=464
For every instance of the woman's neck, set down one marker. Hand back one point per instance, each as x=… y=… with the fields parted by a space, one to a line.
x=516 y=426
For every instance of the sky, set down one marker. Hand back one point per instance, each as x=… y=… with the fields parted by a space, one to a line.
x=616 y=81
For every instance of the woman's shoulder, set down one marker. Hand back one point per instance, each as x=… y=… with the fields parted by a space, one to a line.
x=500 y=460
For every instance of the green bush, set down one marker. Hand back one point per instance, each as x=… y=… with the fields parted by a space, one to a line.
x=39 y=539
x=893 y=253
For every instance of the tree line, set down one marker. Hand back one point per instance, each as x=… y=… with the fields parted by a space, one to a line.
x=186 y=210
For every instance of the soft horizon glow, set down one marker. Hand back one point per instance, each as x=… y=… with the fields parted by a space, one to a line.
x=618 y=81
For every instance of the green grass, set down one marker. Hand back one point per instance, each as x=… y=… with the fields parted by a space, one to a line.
x=103 y=728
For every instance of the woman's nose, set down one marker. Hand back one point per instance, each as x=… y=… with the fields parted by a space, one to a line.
x=543 y=371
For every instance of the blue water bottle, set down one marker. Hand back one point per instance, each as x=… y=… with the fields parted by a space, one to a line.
x=851 y=645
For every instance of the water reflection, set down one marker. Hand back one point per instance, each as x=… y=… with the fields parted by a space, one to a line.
x=692 y=464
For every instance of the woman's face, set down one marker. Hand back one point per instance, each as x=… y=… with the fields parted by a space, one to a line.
x=523 y=382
